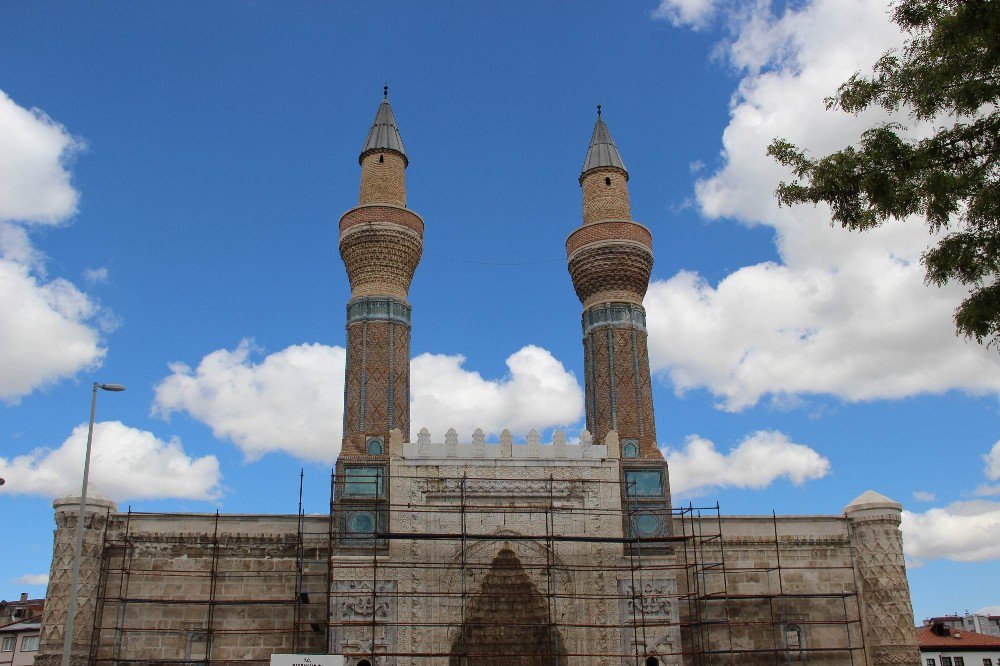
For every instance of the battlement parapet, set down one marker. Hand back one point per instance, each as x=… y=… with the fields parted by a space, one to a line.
x=532 y=449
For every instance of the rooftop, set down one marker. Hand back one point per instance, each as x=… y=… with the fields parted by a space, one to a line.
x=384 y=133
x=602 y=151
x=946 y=638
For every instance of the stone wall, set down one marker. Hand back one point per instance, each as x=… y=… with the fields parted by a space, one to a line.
x=796 y=588
x=158 y=581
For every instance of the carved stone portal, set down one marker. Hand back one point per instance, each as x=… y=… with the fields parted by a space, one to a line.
x=508 y=621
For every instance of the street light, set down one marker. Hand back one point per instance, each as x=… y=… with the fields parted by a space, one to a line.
x=78 y=547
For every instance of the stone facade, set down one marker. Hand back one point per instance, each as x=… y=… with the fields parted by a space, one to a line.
x=472 y=523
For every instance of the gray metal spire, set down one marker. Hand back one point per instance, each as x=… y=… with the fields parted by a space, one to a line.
x=602 y=151
x=384 y=134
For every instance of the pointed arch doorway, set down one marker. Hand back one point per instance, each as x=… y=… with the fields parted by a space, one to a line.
x=507 y=621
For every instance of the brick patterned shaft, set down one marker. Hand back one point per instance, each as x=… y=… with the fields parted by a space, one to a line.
x=380 y=243
x=605 y=195
x=383 y=178
x=610 y=258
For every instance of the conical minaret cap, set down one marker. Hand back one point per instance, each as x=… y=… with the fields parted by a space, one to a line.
x=602 y=152
x=384 y=134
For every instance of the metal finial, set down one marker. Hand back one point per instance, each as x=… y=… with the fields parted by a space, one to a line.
x=385 y=91
x=598 y=110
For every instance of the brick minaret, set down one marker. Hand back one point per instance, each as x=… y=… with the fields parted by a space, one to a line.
x=610 y=258
x=380 y=242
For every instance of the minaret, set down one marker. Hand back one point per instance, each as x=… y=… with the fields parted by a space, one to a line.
x=610 y=259
x=380 y=242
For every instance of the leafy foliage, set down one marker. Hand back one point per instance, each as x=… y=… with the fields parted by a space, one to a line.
x=946 y=75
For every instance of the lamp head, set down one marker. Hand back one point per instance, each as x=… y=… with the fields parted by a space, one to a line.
x=112 y=387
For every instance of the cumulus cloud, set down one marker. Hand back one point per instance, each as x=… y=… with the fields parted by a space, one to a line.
x=693 y=13
x=966 y=531
x=924 y=496
x=32 y=579
x=126 y=463
x=292 y=400
x=34 y=150
x=538 y=392
x=841 y=313
x=758 y=461
x=45 y=331
x=47 y=327
x=989 y=610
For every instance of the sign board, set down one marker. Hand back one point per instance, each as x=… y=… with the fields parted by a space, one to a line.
x=307 y=660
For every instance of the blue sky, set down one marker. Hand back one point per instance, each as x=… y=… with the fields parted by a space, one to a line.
x=180 y=173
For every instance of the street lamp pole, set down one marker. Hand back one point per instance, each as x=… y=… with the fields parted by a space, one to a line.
x=78 y=547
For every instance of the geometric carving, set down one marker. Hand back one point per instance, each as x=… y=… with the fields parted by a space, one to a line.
x=352 y=603
x=506 y=444
x=423 y=442
x=559 y=443
x=648 y=617
x=885 y=593
x=479 y=443
x=533 y=443
x=451 y=443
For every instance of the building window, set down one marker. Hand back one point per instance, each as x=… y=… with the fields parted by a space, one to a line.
x=381 y=159
x=652 y=661
x=361 y=524
x=959 y=661
x=197 y=646
x=930 y=662
x=630 y=448
x=364 y=662
x=987 y=661
x=29 y=643
x=793 y=637
x=945 y=661
x=374 y=445
x=644 y=483
x=364 y=481
x=8 y=643
x=607 y=181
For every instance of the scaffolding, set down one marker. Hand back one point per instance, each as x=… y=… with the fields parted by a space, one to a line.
x=207 y=588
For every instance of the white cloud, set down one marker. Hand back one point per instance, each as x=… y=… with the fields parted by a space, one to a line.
x=841 y=313
x=989 y=610
x=924 y=496
x=992 y=460
x=292 y=400
x=126 y=463
x=95 y=275
x=537 y=393
x=46 y=332
x=32 y=579
x=756 y=462
x=693 y=13
x=966 y=531
x=34 y=182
